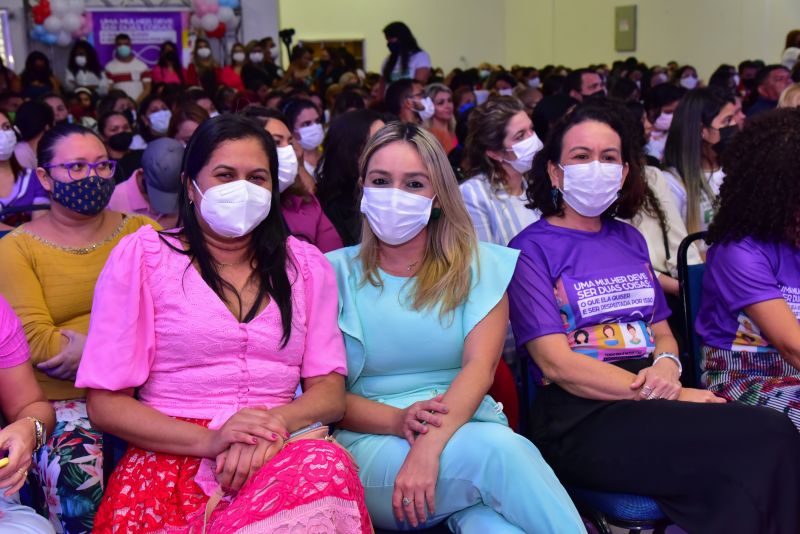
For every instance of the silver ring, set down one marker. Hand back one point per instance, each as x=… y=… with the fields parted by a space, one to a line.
x=406 y=501
x=647 y=390
x=652 y=397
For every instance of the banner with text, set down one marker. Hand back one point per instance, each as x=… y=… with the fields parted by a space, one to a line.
x=147 y=30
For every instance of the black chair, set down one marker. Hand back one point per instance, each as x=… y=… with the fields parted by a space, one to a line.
x=691 y=283
x=602 y=509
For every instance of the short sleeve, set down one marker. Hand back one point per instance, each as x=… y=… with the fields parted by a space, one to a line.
x=120 y=347
x=532 y=302
x=324 y=351
x=420 y=60
x=491 y=274
x=743 y=273
x=13 y=345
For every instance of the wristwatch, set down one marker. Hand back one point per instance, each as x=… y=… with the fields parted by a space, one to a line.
x=41 y=433
x=672 y=357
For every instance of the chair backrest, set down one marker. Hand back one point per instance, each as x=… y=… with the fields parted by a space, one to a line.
x=691 y=290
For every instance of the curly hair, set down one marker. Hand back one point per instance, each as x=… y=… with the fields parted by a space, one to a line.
x=550 y=201
x=760 y=197
x=487 y=130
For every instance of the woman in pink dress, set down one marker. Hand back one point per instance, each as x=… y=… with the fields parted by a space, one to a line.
x=198 y=341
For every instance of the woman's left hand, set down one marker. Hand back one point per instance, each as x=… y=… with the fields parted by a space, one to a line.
x=64 y=365
x=19 y=439
x=415 y=486
x=659 y=381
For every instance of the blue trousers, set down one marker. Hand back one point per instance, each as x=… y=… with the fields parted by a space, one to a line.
x=491 y=480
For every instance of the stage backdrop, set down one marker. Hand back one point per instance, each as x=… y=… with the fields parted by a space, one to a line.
x=147 y=29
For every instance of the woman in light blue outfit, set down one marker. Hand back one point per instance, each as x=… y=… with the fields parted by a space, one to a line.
x=424 y=312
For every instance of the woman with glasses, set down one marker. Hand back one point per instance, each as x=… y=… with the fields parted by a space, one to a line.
x=48 y=272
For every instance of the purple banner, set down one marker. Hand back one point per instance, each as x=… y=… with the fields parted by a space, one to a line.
x=147 y=30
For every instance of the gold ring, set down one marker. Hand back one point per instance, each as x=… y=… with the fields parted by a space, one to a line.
x=406 y=501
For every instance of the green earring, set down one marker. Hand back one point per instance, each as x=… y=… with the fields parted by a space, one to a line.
x=436 y=213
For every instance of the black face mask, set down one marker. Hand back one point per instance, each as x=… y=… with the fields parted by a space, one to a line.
x=394 y=47
x=726 y=135
x=597 y=95
x=120 y=142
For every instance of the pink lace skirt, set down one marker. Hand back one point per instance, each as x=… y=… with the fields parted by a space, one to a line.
x=310 y=486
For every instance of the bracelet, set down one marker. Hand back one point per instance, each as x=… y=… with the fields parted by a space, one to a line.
x=41 y=432
x=672 y=357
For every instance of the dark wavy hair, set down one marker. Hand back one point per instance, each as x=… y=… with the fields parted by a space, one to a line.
x=337 y=171
x=760 y=196
x=613 y=114
x=268 y=239
x=92 y=63
x=407 y=47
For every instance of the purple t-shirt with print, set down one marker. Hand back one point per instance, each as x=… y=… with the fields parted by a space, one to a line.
x=737 y=275
x=598 y=288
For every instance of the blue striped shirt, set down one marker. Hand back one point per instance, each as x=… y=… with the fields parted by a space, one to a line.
x=496 y=215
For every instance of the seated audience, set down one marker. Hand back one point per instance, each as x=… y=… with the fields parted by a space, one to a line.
x=168 y=69
x=432 y=446
x=30 y=420
x=126 y=72
x=305 y=122
x=750 y=307
x=116 y=131
x=154 y=117
x=769 y=84
x=31 y=121
x=215 y=423
x=586 y=306
x=442 y=124
x=405 y=99
x=152 y=190
x=231 y=74
x=203 y=70
x=187 y=117
x=38 y=78
x=48 y=273
x=84 y=70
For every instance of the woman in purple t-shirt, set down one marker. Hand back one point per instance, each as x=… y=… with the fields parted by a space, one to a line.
x=611 y=413
x=748 y=318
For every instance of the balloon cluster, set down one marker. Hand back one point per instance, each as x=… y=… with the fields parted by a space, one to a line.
x=58 y=22
x=213 y=16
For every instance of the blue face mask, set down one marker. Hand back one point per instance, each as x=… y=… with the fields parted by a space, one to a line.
x=123 y=51
x=88 y=196
x=463 y=108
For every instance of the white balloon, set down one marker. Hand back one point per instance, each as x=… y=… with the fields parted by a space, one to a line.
x=210 y=21
x=196 y=22
x=59 y=7
x=77 y=6
x=71 y=22
x=52 y=24
x=212 y=6
x=64 y=39
x=226 y=14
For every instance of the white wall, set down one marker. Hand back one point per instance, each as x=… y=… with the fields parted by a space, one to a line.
x=572 y=32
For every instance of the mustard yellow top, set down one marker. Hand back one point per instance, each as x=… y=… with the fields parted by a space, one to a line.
x=51 y=287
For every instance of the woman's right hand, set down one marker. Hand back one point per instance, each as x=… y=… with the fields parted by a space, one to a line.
x=19 y=439
x=240 y=462
x=699 y=395
x=246 y=426
x=410 y=421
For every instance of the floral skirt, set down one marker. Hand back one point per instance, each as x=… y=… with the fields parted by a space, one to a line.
x=755 y=378
x=69 y=470
x=310 y=486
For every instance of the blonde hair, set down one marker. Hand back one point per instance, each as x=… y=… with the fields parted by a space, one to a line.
x=487 y=131
x=790 y=97
x=444 y=273
x=431 y=91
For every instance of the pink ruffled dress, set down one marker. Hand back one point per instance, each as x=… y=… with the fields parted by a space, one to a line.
x=157 y=327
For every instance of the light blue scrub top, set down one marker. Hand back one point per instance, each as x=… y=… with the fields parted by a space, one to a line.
x=397 y=355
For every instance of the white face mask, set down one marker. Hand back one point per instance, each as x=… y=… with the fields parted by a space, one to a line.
x=690 y=82
x=428 y=109
x=525 y=150
x=8 y=140
x=287 y=167
x=590 y=188
x=256 y=57
x=213 y=114
x=663 y=122
x=481 y=96
x=736 y=80
x=80 y=61
x=238 y=57
x=534 y=82
x=658 y=79
x=395 y=216
x=235 y=208
x=159 y=121
x=203 y=53
x=311 y=136
x=505 y=92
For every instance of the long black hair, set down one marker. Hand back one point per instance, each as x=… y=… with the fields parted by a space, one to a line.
x=92 y=63
x=406 y=47
x=169 y=58
x=337 y=171
x=268 y=239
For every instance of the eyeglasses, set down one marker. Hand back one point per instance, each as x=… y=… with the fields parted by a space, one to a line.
x=78 y=170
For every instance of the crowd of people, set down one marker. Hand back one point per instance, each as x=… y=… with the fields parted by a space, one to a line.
x=222 y=264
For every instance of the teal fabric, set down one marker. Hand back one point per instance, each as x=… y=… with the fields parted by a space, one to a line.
x=489 y=476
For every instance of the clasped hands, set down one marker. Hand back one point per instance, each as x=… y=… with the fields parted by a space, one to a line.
x=247 y=441
x=662 y=381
